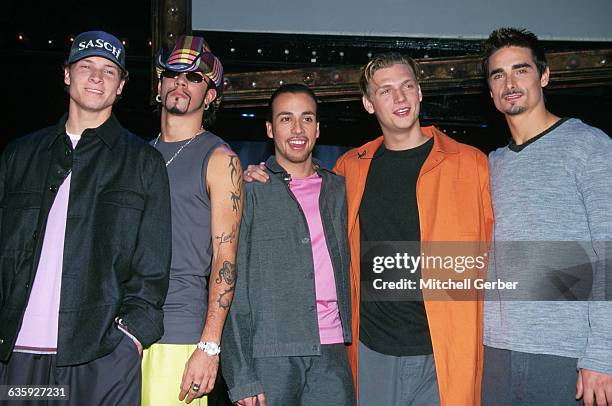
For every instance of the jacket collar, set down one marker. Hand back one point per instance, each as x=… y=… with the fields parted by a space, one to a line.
x=274 y=167
x=442 y=144
x=108 y=131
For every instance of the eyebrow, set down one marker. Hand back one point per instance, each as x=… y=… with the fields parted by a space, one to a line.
x=106 y=65
x=288 y=113
x=514 y=67
x=390 y=85
x=496 y=71
x=521 y=65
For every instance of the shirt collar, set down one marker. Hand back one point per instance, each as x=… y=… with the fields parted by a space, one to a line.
x=274 y=167
x=108 y=131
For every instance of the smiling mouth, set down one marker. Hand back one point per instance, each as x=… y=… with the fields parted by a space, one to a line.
x=512 y=96
x=402 y=112
x=96 y=91
x=297 y=143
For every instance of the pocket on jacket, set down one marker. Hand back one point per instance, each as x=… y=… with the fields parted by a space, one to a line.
x=266 y=230
x=274 y=279
x=271 y=251
x=118 y=218
x=123 y=198
x=19 y=214
x=15 y=260
x=21 y=200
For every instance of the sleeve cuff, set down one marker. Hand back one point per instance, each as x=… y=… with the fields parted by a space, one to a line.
x=245 y=390
x=595 y=365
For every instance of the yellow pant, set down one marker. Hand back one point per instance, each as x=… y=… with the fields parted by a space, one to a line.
x=162 y=372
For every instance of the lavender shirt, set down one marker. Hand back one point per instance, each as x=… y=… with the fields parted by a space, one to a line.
x=307 y=191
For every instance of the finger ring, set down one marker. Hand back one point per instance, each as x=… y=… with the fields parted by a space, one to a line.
x=195 y=387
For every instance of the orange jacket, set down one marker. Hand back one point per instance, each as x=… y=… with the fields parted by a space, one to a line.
x=454 y=204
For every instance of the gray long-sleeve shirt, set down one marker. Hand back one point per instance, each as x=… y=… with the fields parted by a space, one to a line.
x=553 y=191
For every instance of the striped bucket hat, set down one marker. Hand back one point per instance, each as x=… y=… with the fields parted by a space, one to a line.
x=192 y=54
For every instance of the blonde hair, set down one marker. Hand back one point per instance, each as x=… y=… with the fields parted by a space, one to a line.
x=381 y=61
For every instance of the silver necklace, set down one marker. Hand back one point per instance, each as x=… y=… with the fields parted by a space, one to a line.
x=169 y=161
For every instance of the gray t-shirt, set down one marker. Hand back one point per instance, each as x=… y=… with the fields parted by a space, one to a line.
x=187 y=300
x=555 y=192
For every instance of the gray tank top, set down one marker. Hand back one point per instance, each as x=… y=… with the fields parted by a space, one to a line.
x=187 y=300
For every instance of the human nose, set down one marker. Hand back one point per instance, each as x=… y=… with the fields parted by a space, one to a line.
x=181 y=79
x=96 y=75
x=398 y=96
x=510 y=82
x=297 y=127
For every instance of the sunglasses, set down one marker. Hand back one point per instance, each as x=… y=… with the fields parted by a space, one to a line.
x=190 y=76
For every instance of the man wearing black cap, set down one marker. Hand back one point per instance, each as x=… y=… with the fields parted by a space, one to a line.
x=85 y=253
x=206 y=193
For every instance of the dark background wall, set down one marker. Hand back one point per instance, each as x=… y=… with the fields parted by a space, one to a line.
x=33 y=78
x=35 y=39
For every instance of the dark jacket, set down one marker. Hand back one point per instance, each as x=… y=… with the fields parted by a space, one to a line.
x=118 y=236
x=274 y=308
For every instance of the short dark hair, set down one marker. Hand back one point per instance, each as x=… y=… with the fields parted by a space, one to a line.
x=513 y=37
x=382 y=61
x=292 y=88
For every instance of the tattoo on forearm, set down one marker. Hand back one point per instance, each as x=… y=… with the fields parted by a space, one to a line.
x=227 y=273
x=236 y=178
x=227 y=238
x=235 y=197
x=224 y=301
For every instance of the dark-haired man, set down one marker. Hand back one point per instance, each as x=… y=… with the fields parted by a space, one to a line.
x=284 y=343
x=206 y=194
x=85 y=252
x=552 y=184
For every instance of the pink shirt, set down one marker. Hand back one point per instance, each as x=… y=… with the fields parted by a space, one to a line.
x=307 y=191
x=38 y=332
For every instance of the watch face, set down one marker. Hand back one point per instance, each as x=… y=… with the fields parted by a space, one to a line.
x=213 y=349
x=210 y=348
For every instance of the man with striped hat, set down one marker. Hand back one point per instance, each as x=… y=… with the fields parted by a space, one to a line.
x=206 y=200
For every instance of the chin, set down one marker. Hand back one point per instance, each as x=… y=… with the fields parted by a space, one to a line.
x=404 y=122
x=176 y=110
x=298 y=159
x=95 y=104
x=515 y=110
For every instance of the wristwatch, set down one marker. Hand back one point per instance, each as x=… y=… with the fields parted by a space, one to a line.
x=211 y=348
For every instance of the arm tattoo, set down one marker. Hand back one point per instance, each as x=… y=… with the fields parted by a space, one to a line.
x=226 y=238
x=227 y=274
x=236 y=177
x=222 y=300
x=235 y=197
x=235 y=174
